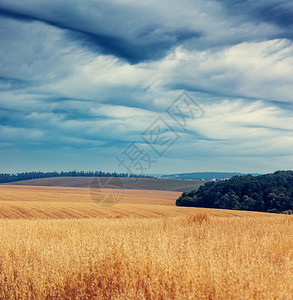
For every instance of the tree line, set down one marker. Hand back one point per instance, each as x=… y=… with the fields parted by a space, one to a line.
x=265 y=193
x=6 y=177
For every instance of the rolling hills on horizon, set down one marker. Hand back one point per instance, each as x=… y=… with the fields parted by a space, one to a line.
x=205 y=175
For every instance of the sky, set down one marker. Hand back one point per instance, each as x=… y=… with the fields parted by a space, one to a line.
x=148 y=87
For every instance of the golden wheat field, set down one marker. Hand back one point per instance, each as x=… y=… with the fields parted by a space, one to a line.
x=36 y=202
x=142 y=248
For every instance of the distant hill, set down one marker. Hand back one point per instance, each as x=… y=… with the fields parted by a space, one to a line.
x=115 y=182
x=204 y=175
x=6 y=177
x=266 y=193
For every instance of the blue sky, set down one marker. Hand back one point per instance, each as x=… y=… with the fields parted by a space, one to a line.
x=81 y=81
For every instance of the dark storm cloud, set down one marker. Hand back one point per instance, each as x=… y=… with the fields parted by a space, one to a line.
x=131 y=49
x=279 y=13
x=147 y=42
x=138 y=33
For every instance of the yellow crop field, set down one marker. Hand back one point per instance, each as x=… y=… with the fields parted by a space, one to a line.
x=56 y=243
x=184 y=257
x=31 y=202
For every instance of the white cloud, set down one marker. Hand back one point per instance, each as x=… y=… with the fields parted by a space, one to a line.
x=56 y=86
x=258 y=70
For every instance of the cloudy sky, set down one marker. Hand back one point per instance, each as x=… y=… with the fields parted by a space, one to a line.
x=95 y=85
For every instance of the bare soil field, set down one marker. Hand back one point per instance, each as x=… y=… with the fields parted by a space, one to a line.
x=123 y=182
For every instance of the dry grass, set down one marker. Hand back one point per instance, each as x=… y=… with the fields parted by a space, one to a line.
x=183 y=257
x=139 y=249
